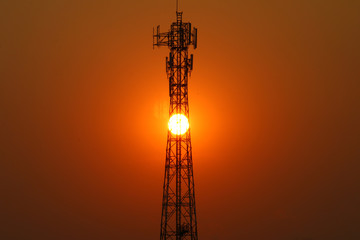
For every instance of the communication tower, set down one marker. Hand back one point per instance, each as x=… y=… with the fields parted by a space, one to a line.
x=178 y=218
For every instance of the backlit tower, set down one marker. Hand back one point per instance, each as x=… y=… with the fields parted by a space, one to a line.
x=178 y=218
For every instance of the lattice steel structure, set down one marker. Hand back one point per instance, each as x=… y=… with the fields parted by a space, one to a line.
x=178 y=218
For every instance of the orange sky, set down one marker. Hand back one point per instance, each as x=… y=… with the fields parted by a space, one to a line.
x=274 y=114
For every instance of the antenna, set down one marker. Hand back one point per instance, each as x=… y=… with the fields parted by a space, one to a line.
x=178 y=216
x=177 y=5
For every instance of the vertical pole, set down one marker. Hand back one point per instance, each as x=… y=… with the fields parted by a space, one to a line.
x=179 y=137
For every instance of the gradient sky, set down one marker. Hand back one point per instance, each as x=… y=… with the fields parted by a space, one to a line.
x=274 y=106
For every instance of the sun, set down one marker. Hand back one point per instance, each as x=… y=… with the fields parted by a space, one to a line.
x=178 y=124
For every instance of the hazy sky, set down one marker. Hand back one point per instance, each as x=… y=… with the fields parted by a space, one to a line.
x=274 y=113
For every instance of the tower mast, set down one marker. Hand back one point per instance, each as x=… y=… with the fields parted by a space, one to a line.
x=178 y=218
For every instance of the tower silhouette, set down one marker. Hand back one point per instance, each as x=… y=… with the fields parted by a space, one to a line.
x=178 y=218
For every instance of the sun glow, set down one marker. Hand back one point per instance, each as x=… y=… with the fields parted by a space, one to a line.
x=178 y=124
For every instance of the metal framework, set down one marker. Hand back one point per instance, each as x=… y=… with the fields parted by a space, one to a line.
x=178 y=218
